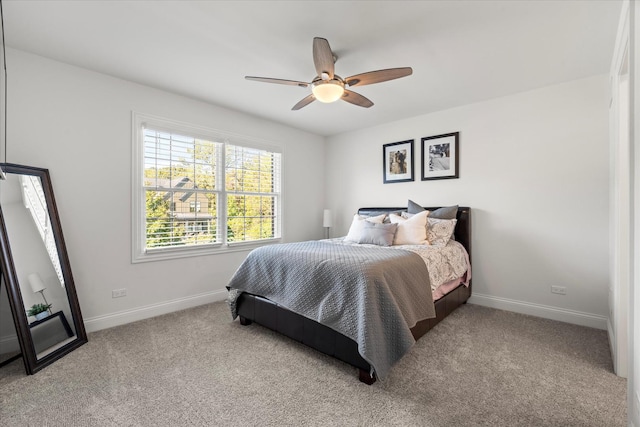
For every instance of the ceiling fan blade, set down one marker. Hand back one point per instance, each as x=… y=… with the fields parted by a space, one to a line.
x=378 y=76
x=278 y=81
x=323 y=57
x=356 y=99
x=304 y=102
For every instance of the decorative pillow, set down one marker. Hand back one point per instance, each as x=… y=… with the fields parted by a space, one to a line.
x=411 y=231
x=414 y=208
x=440 y=231
x=450 y=212
x=378 y=234
x=358 y=223
x=387 y=221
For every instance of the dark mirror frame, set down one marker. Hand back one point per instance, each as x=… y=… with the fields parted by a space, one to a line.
x=31 y=362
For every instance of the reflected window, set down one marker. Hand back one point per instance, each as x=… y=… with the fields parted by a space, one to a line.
x=36 y=204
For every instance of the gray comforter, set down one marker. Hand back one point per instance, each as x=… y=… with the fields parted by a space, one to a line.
x=371 y=295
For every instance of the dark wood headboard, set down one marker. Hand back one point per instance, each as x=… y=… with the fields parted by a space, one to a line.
x=463 y=226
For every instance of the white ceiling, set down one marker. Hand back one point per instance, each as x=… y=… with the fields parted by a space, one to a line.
x=461 y=51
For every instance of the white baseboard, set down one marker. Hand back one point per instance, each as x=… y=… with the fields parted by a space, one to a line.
x=547 y=312
x=538 y=310
x=127 y=316
x=9 y=344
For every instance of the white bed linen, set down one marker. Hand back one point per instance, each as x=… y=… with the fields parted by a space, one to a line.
x=445 y=263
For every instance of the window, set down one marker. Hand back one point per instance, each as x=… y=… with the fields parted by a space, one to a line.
x=34 y=200
x=201 y=191
x=194 y=206
x=252 y=191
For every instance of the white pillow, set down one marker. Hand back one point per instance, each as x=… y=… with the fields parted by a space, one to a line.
x=411 y=231
x=357 y=226
x=439 y=231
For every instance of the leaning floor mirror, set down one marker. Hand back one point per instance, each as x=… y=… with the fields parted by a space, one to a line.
x=35 y=268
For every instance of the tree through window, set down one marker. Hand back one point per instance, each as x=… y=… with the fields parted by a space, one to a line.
x=203 y=192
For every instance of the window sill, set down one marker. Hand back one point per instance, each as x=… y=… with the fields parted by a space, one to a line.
x=175 y=253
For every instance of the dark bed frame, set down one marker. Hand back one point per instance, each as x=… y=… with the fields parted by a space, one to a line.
x=253 y=308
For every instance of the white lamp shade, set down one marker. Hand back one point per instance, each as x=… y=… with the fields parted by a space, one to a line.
x=36 y=282
x=327 y=91
x=326 y=218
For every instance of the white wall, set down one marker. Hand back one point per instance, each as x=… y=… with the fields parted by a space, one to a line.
x=77 y=123
x=633 y=390
x=533 y=168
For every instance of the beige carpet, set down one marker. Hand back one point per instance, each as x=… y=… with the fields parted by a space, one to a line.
x=480 y=367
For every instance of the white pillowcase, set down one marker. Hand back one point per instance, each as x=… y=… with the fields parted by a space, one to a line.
x=357 y=226
x=439 y=231
x=411 y=231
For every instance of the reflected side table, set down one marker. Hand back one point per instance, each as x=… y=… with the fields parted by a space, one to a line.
x=59 y=314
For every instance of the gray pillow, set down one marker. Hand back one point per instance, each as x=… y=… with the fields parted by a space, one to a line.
x=414 y=208
x=449 y=212
x=378 y=234
x=387 y=220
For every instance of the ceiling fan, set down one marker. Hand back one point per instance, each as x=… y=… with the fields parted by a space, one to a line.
x=328 y=86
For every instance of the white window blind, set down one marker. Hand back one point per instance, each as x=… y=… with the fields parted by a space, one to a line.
x=253 y=190
x=35 y=202
x=180 y=175
x=201 y=191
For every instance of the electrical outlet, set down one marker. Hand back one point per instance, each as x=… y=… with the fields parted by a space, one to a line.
x=560 y=290
x=117 y=293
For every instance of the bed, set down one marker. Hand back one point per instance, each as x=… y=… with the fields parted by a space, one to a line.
x=385 y=339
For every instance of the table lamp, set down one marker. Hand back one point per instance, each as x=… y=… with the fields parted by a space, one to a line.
x=37 y=285
x=326 y=220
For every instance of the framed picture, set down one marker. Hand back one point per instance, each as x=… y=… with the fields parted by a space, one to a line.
x=397 y=161
x=440 y=156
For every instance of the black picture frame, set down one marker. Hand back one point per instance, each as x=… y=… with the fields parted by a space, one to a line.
x=397 y=162
x=440 y=156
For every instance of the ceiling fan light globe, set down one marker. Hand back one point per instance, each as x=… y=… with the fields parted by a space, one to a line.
x=328 y=91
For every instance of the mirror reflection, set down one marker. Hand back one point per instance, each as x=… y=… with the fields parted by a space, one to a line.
x=37 y=263
x=36 y=270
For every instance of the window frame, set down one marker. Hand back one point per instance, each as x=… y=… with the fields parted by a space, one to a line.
x=139 y=252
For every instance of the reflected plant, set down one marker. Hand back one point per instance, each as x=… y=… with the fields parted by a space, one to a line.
x=38 y=308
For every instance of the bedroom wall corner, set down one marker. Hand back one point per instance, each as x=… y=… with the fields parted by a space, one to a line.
x=533 y=168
